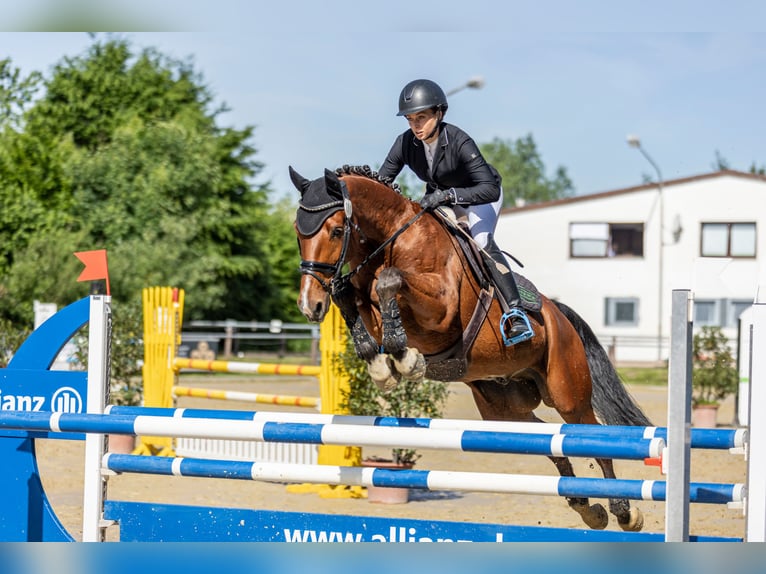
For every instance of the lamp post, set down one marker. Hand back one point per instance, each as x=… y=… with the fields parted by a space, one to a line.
x=634 y=141
x=476 y=83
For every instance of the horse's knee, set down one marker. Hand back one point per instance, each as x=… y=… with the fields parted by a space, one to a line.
x=388 y=284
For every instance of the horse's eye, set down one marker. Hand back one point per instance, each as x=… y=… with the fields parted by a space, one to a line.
x=336 y=232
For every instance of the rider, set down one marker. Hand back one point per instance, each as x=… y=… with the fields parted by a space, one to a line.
x=456 y=174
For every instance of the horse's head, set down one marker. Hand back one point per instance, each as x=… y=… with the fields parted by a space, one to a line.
x=321 y=224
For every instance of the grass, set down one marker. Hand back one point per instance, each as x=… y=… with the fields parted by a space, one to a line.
x=656 y=376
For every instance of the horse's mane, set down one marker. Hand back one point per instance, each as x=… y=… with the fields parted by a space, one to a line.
x=366 y=171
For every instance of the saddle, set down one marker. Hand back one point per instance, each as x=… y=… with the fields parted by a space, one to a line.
x=451 y=364
x=530 y=296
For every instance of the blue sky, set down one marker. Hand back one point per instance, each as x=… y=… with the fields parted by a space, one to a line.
x=320 y=84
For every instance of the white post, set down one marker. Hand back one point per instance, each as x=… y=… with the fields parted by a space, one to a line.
x=756 y=447
x=99 y=336
x=679 y=419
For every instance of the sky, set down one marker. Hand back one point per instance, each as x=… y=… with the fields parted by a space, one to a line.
x=320 y=81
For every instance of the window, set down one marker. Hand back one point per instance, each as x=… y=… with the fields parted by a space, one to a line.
x=728 y=240
x=606 y=239
x=621 y=311
x=734 y=310
x=706 y=313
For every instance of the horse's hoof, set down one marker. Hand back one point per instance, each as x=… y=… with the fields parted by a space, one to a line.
x=380 y=373
x=412 y=366
x=635 y=521
x=594 y=516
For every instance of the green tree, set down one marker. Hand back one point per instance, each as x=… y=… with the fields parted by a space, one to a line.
x=124 y=151
x=523 y=172
x=720 y=163
x=16 y=92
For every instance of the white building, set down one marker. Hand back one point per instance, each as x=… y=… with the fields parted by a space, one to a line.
x=601 y=254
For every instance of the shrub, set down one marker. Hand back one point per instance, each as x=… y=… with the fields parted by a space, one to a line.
x=409 y=399
x=714 y=374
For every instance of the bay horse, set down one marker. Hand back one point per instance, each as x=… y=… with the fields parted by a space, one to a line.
x=414 y=308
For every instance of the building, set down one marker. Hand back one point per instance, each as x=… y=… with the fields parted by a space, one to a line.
x=605 y=256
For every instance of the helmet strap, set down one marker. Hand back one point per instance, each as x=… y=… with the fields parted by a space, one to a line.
x=436 y=127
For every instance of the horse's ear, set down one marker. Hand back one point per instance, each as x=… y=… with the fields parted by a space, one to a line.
x=300 y=182
x=332 y=183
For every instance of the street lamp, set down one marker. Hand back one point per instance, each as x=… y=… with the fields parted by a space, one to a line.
x=634 y=141
x=476 y=83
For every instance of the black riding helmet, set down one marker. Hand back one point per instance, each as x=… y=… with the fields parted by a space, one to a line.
x=421 y=95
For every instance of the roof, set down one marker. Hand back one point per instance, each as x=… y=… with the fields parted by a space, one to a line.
x=627 y=190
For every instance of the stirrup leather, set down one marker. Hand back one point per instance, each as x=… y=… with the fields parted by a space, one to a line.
x=505 y=319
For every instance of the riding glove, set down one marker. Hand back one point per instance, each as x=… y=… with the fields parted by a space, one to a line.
x=438 y=197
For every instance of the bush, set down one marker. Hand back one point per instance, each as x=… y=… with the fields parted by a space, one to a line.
x=11 y=338
x=714 y=374
x=409 y=399
x=127 y=352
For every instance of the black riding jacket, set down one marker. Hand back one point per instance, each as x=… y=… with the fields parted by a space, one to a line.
x=457 y=164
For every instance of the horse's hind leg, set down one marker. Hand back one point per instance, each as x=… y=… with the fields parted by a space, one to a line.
x=516 y=400
x=629 y=517
x=406 y=361
x=593 y=515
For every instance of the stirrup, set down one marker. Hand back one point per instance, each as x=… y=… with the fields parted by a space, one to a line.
x=525 y=336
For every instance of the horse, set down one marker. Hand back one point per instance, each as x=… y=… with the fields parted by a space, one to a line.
x=414 y=308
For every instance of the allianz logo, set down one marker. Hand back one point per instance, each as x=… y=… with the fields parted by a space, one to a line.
x=63 y=400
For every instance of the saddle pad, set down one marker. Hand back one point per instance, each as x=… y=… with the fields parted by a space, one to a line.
x=530 y=296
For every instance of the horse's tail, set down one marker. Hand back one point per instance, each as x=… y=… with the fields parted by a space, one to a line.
x=611 y=400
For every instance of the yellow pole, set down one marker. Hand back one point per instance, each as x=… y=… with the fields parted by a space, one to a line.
x=163 y=317
x=263 y=398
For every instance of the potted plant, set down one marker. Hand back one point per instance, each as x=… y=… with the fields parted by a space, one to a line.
x=714 y=375
x=126 y=387
x=409 y=399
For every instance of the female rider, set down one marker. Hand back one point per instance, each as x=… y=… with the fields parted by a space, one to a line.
x=456 y=174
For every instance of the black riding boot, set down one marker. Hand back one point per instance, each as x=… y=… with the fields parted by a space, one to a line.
x=514 y=325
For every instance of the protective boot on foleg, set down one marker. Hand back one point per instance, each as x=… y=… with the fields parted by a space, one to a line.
x=514 y=325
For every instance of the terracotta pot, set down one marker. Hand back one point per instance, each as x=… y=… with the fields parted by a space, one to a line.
x=387 y=494
x=121 y=443
x=705 y=416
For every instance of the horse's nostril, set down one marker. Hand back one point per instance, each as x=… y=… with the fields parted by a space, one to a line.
x=318 y=309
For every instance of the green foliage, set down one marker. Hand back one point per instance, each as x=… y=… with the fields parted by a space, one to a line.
x=12 y=336
x=127 y=353
x=523 y=172
x=409 y=399
x=123 y=151
x=16 y=92
x=714 y=374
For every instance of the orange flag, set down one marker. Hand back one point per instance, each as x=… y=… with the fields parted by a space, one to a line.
x=95 y=266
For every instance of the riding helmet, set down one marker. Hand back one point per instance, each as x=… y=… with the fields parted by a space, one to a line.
x=421 y=95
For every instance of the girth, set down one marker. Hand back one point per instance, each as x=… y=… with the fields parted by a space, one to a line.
x=451 y=364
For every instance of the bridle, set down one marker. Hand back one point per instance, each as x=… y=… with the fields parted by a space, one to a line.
x=339 y=281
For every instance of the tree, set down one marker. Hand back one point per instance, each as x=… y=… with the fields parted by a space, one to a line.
x=720 y=163
x=123 y=151
x=523 y=172
x=16 y=93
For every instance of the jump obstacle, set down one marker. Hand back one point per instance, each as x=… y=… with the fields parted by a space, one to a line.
x=56 y=411
x=163 y=319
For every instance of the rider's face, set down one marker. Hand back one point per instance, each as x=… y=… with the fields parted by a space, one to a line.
x=423 y=123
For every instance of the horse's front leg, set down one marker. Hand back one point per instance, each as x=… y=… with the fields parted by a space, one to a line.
x=365 y=346
x=408 y=362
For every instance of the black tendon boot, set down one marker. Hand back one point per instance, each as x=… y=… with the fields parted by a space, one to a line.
x=514 y=325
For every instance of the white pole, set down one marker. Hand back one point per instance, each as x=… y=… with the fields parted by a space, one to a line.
x=756 y=448
x=99 y=332
x=679 y=419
